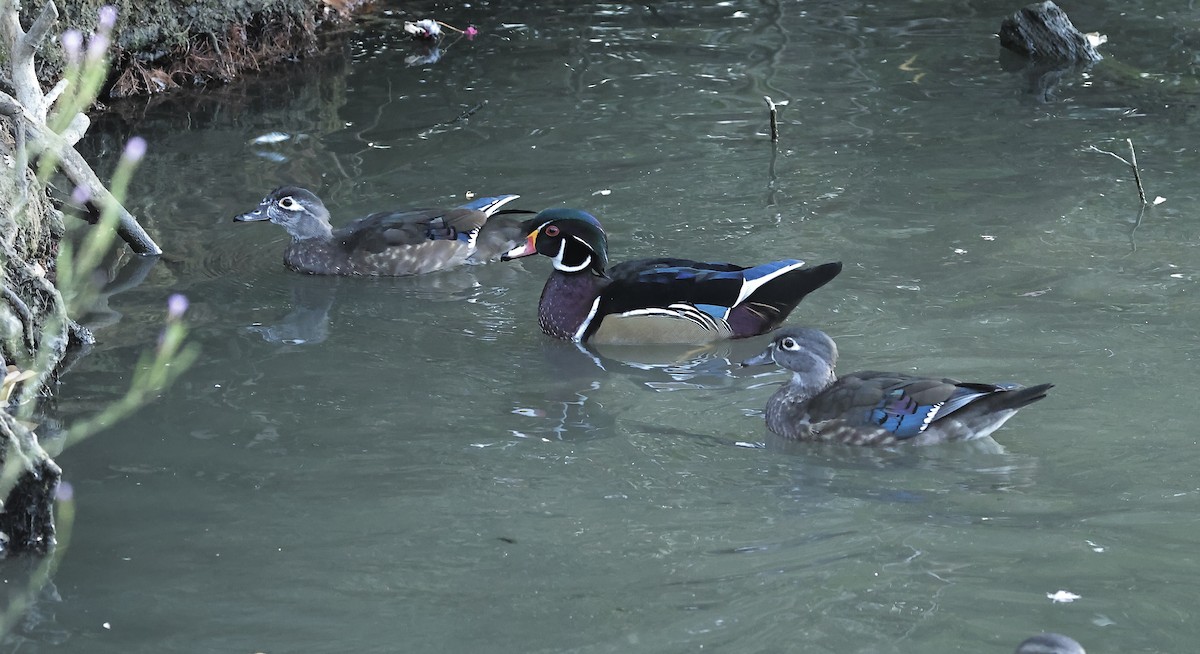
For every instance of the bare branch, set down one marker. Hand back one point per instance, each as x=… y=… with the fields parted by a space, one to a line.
x=76 y=168
x=771 y=107
x=22 y=46
x=55 y=91
x=1137 y=175
x=39 y=28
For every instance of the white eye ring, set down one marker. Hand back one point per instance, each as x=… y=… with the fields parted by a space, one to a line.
x=288 y=203
x=789 y=344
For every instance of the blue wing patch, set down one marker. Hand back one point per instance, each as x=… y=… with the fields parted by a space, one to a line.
x=667 y=274
x=901 y=415
x=715 y=310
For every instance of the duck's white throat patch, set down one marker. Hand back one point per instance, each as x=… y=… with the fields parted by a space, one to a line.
x=559 y=264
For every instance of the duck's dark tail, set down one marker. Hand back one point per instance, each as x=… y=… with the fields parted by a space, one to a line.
x=1017 y=398
x=769 y=305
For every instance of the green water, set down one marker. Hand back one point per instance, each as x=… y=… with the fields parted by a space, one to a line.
x=410 y=465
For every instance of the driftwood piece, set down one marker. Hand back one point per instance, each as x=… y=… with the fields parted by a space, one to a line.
x=1043 y=31
x=23 y=45
x=30 y=106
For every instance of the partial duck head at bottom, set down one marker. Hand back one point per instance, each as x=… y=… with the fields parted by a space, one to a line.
x=298 y=210
x=1050 y=643
x=573 y=239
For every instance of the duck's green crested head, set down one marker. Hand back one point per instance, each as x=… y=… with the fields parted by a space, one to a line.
x=573 y=239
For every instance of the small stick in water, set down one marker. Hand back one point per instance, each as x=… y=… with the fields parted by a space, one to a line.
x=1137 y=175
x=772 y=107
x=1132 y=163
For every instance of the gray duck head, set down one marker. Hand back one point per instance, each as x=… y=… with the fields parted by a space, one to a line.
x=298 y=210
x=1050 y=643
x=809 y=353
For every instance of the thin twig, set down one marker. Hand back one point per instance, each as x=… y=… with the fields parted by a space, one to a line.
x=1137 y=176
x=467 y=113
x=449 y=26
x=771 y=107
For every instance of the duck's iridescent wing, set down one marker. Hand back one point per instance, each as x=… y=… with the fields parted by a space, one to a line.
x=388 y=229
x=903 y=405
x=722 y=298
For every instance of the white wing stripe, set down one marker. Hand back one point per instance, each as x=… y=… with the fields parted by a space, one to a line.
x=499 y=202
x=681 y=311
x=587 y=321
x=749 y=287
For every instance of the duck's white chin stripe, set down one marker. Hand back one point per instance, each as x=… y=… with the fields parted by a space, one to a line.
x=558 y=260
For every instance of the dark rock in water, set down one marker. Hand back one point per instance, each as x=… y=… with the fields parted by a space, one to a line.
x=1043 y=31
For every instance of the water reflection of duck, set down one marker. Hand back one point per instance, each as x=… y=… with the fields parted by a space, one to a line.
x=655 y=300
x=308 y=321
x=670 y=367
x=878 y=408
x=406 y=242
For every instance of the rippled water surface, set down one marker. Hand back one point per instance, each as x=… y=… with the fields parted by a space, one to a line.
x=410 y=465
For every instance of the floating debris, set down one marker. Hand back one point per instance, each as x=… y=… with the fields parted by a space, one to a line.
x=1063 y=596
x=423 y=29
x=431 y=30
x=271 y=137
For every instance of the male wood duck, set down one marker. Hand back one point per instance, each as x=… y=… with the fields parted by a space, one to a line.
x=878 y=408
x=407 y=242
x=1050 y=643
x=655 y=300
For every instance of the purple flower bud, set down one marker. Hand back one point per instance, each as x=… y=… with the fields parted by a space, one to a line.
x=72 y=42
x=108 y=18
x=80 y=196
x=65 y=492
x=177 y=305
x=135 y=149
x=97 y=47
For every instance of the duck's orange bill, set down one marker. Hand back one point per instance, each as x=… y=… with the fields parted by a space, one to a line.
x=529 y=247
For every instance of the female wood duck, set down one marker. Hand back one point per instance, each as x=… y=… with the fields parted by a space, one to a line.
x=655 y=300
x=408 y=242
x=878 y=408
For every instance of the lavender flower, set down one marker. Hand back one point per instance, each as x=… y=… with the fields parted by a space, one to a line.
x=177 y=305
x=135 y=150
x=97 y=47
x=65 y=492
x=108 y=18
x=72 y=42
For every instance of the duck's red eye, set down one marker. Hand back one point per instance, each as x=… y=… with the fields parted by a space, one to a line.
x=551 y=230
